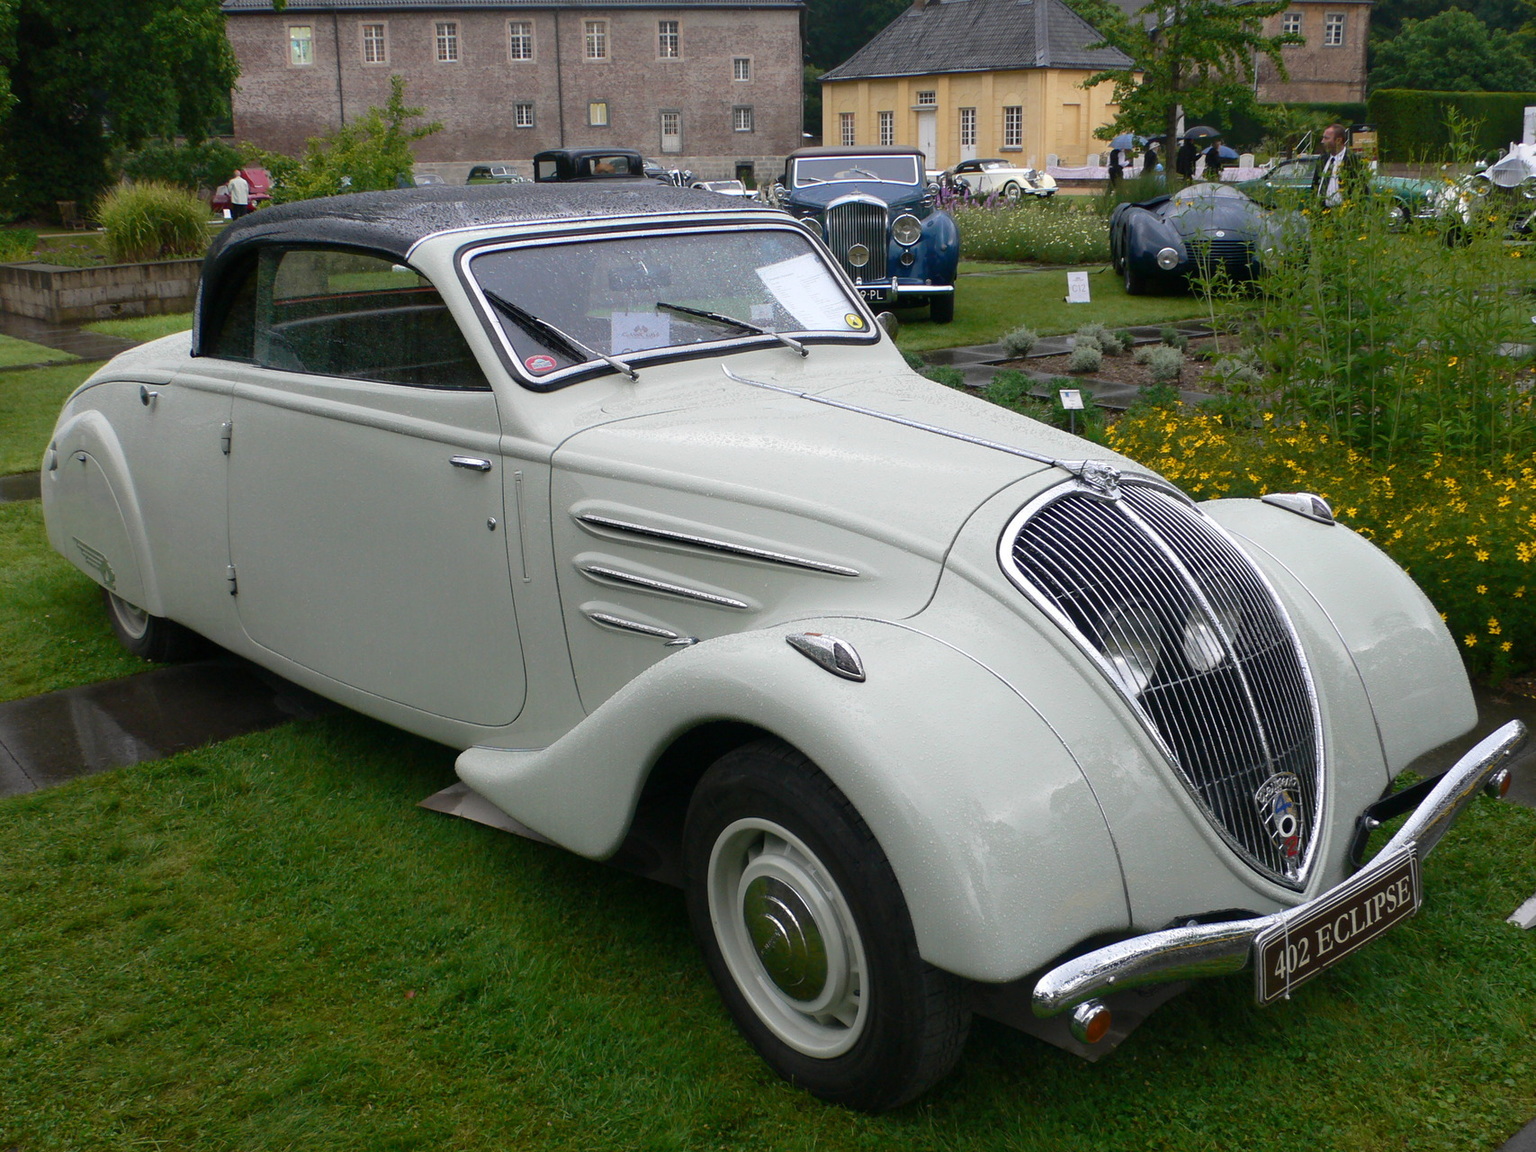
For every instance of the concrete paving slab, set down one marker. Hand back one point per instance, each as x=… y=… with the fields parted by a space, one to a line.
x=1523 y=1140
x=22 y=486
x=49 y=739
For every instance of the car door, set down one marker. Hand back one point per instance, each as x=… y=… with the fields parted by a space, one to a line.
x=366 y=519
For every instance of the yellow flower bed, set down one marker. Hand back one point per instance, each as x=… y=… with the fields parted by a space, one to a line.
x=1466 y=534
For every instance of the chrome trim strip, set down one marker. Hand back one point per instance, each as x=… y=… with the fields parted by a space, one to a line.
x=713 y=545
x=632 y=626
x=828 y=653
x=920 y=289
x=1227 y=947
x=651 y=585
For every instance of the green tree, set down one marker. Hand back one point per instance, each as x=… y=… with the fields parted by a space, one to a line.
x=370 y=154
x=1195 y=54
x=86 y=77
x=836 y=29
x=1453 y=52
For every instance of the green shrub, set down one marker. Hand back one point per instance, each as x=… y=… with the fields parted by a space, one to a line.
x=1019 y=342
x=152 y=221
x=1087 y=421
x=1466 y=533
x=206 y=164
x=1160 y=396
x=1011 y=389
x=1413 y=125
x=1235 y=373
x=1109 y=342
x=914 y=361
x=17 y=244
x=1085 y=358
x=1166 y=364
x=1174 y=339
x=1057 y=231
x=947 y=376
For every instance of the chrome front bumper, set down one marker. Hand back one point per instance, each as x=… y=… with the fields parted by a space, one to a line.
x=1227 y=947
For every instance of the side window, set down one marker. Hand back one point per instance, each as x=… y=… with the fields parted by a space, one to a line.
x=337 y=313
x=233 y=323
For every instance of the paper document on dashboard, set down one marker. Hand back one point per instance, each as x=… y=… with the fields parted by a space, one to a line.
x=805 y=290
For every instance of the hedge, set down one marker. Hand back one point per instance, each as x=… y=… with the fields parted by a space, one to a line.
x=1411 y=124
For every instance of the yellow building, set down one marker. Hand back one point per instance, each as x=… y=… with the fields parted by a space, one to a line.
x=963 y=79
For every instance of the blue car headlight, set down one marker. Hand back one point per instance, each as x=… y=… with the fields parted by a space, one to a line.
x=1168 y=259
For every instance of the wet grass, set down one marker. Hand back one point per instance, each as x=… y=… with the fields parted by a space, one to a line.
x=30 y=400
x=14 y=352
x=143 y=328
x=266 y=945
x=988 y=306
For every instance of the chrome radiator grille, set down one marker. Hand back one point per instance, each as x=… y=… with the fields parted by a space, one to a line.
x=1185 y=627
x=1233 y=254
x=858 y=223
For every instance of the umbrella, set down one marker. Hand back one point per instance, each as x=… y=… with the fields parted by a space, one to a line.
x=1127 y=140
x=1200 y=133
x=1227 y=153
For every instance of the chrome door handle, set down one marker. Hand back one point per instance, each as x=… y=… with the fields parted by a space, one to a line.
x=473 y=463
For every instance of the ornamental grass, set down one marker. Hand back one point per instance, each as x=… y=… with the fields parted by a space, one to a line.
x=152 y=221
x=1464 y=530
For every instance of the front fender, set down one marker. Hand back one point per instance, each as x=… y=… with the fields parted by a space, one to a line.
x=995 y=837
x=938 y=253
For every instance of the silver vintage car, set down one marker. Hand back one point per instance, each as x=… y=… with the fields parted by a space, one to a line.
x=624 y=493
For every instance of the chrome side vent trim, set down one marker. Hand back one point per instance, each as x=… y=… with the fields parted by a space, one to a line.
x=1190 y=633
x=673 y=639
x=712 y=545
x=635 y=580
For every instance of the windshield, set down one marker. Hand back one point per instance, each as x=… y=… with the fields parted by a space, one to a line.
x=830 y=169
x=640 y=297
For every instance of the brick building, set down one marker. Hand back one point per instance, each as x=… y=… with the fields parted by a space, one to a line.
x=962 y=79
x=711 y=85
x=1330 y=66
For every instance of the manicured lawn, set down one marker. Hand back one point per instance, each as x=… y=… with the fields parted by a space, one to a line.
x=29 y=404
x=53 y=632
x=266 y=945
x=143 y=328
x=988 y=306
x=13 y=352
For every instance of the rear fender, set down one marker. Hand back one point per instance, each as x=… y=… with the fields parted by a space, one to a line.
x=996 y=839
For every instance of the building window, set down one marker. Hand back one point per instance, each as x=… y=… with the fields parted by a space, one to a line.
x=301 y=45
x=927 y=99
x=522 y=115
x=597 y=113
x=1290 y=24
x=1013 y=126
x=520 y=39
x=741 y=119
x=447 y=42
x=887 y=129
x=671 y=131
x=596 y=39
x=967 y=127
x=741 y=68
x=668 y=43
x=845 y=122
x=1333 y=30
x=375 y=46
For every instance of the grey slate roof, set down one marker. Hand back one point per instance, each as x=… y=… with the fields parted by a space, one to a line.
x=238 y=7
x=980 y=36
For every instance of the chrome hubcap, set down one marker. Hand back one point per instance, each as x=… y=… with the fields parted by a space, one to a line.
x=134 y=621
x=788 y=937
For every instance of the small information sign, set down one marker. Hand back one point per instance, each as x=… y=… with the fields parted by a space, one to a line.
x=1071 y=399
x=1077 y=288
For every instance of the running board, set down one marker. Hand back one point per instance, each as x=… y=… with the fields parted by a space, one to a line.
x=464 y=802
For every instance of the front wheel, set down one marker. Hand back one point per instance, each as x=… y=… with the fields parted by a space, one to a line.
x=807 y=936
x=1012 y=192
x=150 y=637
x=941 y=309
x=1135 y=282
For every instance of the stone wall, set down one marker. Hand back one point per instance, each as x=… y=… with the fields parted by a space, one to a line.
x=72 y=295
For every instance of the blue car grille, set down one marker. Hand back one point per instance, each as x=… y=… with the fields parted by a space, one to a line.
x=858 y=223
x=1193 y=637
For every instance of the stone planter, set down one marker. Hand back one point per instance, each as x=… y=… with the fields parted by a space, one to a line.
x=78 y=295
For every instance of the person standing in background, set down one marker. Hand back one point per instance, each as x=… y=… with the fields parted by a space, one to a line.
x=239 y=195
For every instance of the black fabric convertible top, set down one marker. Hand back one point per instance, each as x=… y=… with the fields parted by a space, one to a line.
x=391 y=222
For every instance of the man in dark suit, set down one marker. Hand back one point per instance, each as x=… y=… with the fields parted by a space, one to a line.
x=1340 y=175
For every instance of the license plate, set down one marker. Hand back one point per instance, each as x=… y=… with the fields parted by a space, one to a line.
x=875 y=295
x=1287 y=956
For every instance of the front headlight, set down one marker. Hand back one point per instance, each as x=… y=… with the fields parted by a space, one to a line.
x=1168 y=259
x=907 y=229
x=1131 y=640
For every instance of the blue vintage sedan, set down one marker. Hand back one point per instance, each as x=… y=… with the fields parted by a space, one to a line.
x=875 y=210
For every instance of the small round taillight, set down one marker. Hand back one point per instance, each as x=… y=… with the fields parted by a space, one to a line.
x=1090 y=1021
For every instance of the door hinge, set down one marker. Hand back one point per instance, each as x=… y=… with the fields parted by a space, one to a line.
x=234 y=584
x=226 y=433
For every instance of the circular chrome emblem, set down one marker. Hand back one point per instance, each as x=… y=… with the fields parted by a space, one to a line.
x=858 y=255
x=1220 y=234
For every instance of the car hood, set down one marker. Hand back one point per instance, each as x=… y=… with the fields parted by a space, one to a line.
x=818 y=196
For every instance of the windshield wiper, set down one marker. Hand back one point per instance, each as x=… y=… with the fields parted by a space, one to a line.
x=719 y=318
x=553 y=338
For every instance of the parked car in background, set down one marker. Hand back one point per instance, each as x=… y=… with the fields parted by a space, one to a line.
x=495 y=174
x=1002 y=178
x=260 y=181
x=1162 y=242
x=1287 y=183
x=931 y=709
x=1502 y=194
x=876 y=212
x=561 y=165
x=724 y=187
x=422 y=179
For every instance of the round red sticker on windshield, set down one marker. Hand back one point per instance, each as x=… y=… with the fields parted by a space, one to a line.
x=540 y=363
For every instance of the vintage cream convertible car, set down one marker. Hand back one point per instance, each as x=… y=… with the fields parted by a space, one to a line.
x=933 y=710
